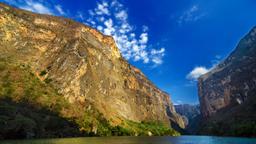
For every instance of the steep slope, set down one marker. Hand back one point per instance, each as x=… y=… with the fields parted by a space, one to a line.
x=84 y=66
x=191 y=115
x=227 y=93
x=189 y=111
x=30 y=108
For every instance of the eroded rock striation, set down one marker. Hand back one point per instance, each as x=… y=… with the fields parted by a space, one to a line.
x=84 y=65
x=227 y=93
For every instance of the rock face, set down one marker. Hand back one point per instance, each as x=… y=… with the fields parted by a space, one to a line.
x=233 y=80
x=188 y=111
x=84 y=65
x=227 y=93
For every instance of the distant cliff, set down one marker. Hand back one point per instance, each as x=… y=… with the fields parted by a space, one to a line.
x=228 y=92
x=84 y=66
x=189 y=111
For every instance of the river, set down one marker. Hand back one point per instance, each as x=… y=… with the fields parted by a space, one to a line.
x=139 y=140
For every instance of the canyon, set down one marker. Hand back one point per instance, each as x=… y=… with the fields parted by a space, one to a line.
x=61 y=78
x=84 y=67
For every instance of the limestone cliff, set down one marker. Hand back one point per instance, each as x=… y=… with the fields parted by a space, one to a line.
x=84 y=65
x=227 y=93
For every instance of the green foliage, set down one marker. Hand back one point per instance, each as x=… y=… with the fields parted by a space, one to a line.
x=144 y=128
x=94 y=124
x=21 y=120
x=2 y=66
x=6 y=89
x=22 y=126
x=244 y=129
x=230 y=128
x=7 y=110
x=48 y=80
x=42 y=73
x=30 y=108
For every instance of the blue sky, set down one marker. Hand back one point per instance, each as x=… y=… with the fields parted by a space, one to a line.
x=171 y=41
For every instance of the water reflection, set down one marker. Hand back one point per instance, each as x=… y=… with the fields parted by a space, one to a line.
x=138 y=140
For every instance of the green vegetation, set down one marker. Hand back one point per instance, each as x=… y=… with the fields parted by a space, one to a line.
x=48 y=80
x=20 y=120
x=230 y=128
x=94 y=124
x=130 y=128
x=31 y=108
x=144 y=128
x=42 y=73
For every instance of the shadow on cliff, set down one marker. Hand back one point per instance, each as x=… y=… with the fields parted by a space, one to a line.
x=21 y=120
x=174 y=122
x=233 y=120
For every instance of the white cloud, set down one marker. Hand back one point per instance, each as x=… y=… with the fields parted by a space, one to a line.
x=200 y=70
x=157 y=60
x=109 y=29
x=161 y=51
x=102 y=9
x=157 y=55
x=59 y=9
x=80 y=16
x=112 y=19
x=100 y=28
x=216 y=60
x=144 y=38
x=36 y=7
x=178 y=102
x=197 y=72
x=41 y=7
x=144 y=28
x=122 y=15
x=191 y=15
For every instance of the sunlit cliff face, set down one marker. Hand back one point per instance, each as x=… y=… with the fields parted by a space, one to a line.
x=84 y=65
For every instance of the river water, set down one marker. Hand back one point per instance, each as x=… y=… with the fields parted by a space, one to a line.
x=139 y=140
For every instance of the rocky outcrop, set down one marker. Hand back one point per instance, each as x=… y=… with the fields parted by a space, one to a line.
x=227 y=93
x=84 y=65
x=189 y=112
x=232 y=81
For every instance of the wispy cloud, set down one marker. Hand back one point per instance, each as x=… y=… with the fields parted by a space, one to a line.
x=36 y=7
x=111 y=18
x=178 y=102
x=191 y=15
x=216 y=60
x=59 y=9
x=41 y=7
x=158 y=55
